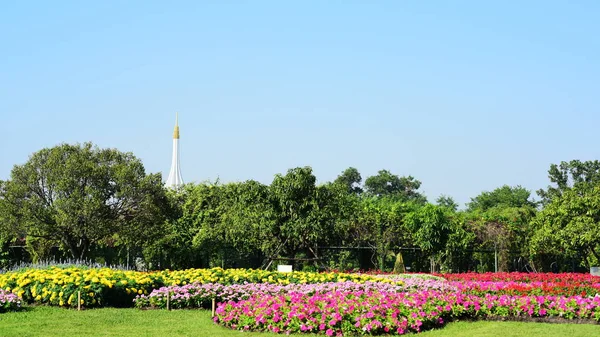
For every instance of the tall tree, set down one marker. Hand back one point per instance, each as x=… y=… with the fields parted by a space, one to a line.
x=297 y=202
x=78 y=196
x=431 y=227
x=500 y=220
x=447 y=202
x=503 y=229
x=248 y=217
x=387 y=184
x=570 y=174
x=192 y=237
x=505 y=196
x=379 y=225
x=351 y=180
x=570 y=225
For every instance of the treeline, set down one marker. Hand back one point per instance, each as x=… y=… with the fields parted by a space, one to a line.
x=82 y=202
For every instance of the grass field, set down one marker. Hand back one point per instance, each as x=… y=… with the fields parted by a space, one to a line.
x=49 y=322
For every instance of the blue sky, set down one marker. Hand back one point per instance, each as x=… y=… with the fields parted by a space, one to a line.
x=464 y=95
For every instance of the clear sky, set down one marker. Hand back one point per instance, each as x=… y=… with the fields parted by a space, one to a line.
x=464 y=95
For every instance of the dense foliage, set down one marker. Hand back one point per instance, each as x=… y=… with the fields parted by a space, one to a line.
x=79 y=201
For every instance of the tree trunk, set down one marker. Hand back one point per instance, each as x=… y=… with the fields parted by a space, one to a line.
x=83 y=248
x=77 y=251
x=72 y=247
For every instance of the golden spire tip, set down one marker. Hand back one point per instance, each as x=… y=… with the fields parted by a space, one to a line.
x=176 y=131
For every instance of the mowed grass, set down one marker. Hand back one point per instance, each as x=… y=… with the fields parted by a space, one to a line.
x=49 y=322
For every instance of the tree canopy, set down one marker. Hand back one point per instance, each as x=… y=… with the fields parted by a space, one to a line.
x=77 y=196
x=570 y=174
x=100 y=204
x=387 y=184
x=505 y=196
x=570 y=224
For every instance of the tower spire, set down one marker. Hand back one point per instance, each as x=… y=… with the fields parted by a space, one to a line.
x=176 y=130
x=175 y=180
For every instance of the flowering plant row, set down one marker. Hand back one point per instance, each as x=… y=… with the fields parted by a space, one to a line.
x=527 y=288
x=367 y=312
x=394 y=275
x=197 y=295
x=63 y=286
x=238 y=276
x=9 y=301
x=586 y=279
x=102 y=286
x=527 y=283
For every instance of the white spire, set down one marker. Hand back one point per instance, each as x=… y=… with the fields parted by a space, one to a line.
x=174 y=180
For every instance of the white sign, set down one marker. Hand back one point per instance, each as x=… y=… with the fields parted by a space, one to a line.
x=284 y=268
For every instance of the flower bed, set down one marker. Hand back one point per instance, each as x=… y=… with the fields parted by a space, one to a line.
x=197 y=295
x=9 y=301
x=106 y=287
x=527 y=283
x=238 y=276
x=393 y=275
x=418 y=304
x=341 y=313
x=60 y=286
x=524 y=277
x=527 y=288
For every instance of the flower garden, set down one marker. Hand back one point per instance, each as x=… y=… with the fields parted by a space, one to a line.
x=333 y=304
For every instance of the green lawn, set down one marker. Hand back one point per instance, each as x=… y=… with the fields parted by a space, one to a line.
x=48 y=322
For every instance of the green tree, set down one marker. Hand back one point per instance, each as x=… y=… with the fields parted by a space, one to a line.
x=505 y=196
x=351 y=180
x=431 y=227
x=226 y=225
x=303 y=216
x=247 y=220
x=567 y=175
x=182 y=243
x=500 y=220
x=503 y=229
x=457 y=257
x=448 y=202
x=387 y=184
x=379 y=225
x=78 y=196
x=570 y=225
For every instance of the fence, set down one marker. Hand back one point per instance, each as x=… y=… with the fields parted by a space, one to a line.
x=330 y=258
